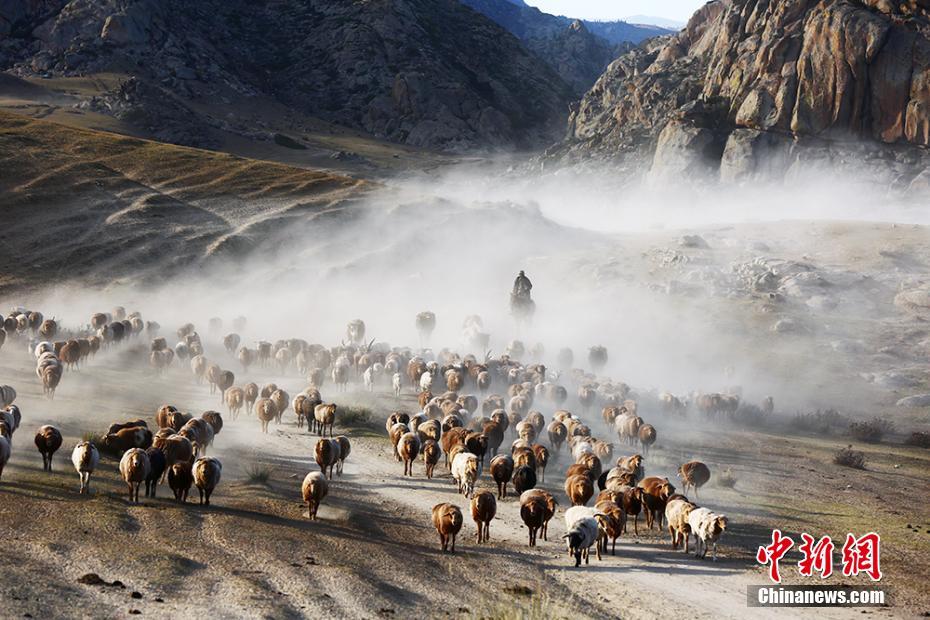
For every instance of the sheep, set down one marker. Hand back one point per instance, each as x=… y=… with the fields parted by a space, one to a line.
x=206 y=472
x=48 y=440
x=593 y=463
x=693 y=475
x=583 y=531
x=524 y=478
x=281 y=400
x=327 y=454
x=214 y=419
x=200 y=434
x=324 y=415
x=533 y=513
x=557 y=434
x=51 y=377
x=447 y=519
x=656 y=492
x=647 y=437
x=477 y=444
x=451 y=438
x=134 y=467
x=118 y=426
x=431 y=453
x=85 y=458
x=345 y=447
x=128 y=438
x=707 y=528
x=156 y=470
x=180 y=479
x=314 y=490
x=483 y=509
x=550 y=506
x=267 y=411
x=7 y=395
x=501 y=471
x=199 y=368
x=395 y=433
x=235 y=399
x=177 y=449
x=465 y=472
x=251 y=395
x=611 y=525
x=426 y=382
x=396 y=384
x=579 y=489
x=5 y=451
x=632 y=503
x=632 y=464
x=677 y=511
x=231 y=342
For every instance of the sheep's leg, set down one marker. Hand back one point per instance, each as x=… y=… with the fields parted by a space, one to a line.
x=714 y=555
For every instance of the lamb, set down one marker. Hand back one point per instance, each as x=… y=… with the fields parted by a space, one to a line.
x=324 y=415
x=483 y=509
x=5 y=451
x=501 y=471
x=677 y=511
x=345 y=447
x=431 y=453
x=267 y=411
x=447 y=519
x=134 y=467
x=314 y=490
x=465 y=472
x=579 y=489
x=694 y=475
x=327 y=454
x=656 y=492
x=583 y=531
x=48 y=440
x=85 y=458
x=207 y=471
x=396 y=384
x=524 y=478
x=180 y=479
x=707 y=528
x=156 y=470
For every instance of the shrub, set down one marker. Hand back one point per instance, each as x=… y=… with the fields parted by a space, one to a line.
x=820 y=422
x=871 y=431
x=847 y=457
x=726 y=479
x=919 y=439
x=354 y=416
x=258 y=473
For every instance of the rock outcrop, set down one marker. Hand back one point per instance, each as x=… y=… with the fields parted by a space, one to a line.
x=429 y=73
x=757 y=87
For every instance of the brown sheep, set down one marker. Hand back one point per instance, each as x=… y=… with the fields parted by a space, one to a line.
x=214 y=419
x=267 y=390
x=128 y=438
x=557 y=434
x=251 y=395
x=611 y=525
x=134 y=467
x=431 y=454
x=632 y=464
x=523 y=479
x=501 y=472
x=408 y=448
x=579 y=489
x=647 y=437
x=207 y=471
x=327 y=455
x=48 y=440
x=632 y=505
x=524 y=455
x=235 y=400
x=533 y=513
x=483 y=509
x=345 y=447
x=477 y=444
x=177 y=449
x=593 y=463
x=314 y=490
x=550 y=507
x=542 y=459
x=431 y=429
x=118 y=426
x=163 y=417
x=267 y=411
x=580 y=469
x=303 y=409
x=447 y=519
x=694 y=475
x=495 y=434
x=180 y=479
x=395 y=433
x=324 y=415
x=282 y=402
x=423 y=398
x=656 y=492
x=454 y=437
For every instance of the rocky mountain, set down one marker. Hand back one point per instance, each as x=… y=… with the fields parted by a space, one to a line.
x=753 y=87
x=578 y=50
x=428 y=73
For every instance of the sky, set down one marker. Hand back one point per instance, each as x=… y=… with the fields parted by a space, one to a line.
x=678 y=10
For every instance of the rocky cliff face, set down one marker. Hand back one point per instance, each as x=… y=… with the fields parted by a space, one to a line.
x=428 y=73
x=757 y=86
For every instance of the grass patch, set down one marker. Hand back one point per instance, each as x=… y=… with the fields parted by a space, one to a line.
x=258 y=473
x=357 y=417
x=847 y=457
x=872 y=431
x=726 y=479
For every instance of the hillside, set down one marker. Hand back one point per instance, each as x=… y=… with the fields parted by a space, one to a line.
x=84 y=205
x=751 y=88
x=426 y=73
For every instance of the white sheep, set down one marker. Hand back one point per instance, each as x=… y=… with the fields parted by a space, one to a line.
x=396 y=384
x=426 y=382
x=85 y=458
x=707 y=527
x=583 y=530
x=369 y=378
x=465 y=472
x=135 y=467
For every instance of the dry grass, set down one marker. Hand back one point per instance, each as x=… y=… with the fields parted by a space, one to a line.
x=847 y=457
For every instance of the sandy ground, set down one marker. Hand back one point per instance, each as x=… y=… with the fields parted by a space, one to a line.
x=373 y=551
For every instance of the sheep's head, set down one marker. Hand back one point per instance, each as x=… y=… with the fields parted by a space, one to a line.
x=720 y=524
x=666 y=489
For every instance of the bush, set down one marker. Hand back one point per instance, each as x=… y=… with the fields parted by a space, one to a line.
x=919 y=439
x=726 y=479
x=871 y=431
x=258 y=473
x=354 y=416
x=847 y=457
x=820 y=422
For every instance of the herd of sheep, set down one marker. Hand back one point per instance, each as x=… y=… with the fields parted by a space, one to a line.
x=465 y=425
